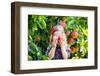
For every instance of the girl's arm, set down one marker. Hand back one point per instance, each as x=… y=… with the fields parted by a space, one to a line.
x=63 y=49
x=64 y=53
x=53 y=48
x=51 y=53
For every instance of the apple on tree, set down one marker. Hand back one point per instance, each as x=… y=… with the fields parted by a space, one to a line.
x=74 y=34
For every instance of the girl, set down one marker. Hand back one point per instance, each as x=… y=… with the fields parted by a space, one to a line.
x=58 y=48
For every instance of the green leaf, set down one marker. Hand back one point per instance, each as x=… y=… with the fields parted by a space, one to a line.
x=33 y=46
x=30 y=38
x=43 y=24
x=38 y=23
x=85 y=31
x=34 y=27
x=44 y=57
x=29 y=58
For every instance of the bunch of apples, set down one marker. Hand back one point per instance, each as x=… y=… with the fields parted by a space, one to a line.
x=72 y=36
x=71 y=39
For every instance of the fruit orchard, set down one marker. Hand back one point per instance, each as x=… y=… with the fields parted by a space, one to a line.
x=39 y=30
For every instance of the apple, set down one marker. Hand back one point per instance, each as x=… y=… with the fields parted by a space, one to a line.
x=59 y=38
x=67 y=33
x=74 y=34
x=71 y=40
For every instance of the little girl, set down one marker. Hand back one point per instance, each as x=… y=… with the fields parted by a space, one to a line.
x=58 y=48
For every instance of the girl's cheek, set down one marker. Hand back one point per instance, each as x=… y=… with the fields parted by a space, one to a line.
x=55 y=37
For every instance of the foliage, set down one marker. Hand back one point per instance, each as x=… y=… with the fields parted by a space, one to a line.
x=39 y=29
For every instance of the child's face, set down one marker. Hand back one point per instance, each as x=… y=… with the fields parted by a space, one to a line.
x=59 y=36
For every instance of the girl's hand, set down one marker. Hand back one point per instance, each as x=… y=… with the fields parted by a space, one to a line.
x=51 y=53
x=63 y=43
x=54 y=42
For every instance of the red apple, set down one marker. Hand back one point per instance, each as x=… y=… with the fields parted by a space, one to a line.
x=67 y=33
x=71 y=40
x=74 y=34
